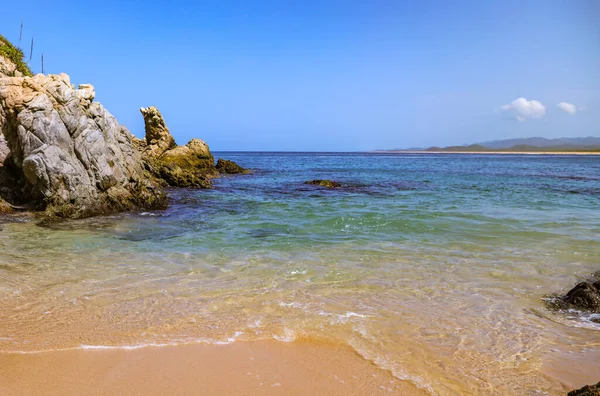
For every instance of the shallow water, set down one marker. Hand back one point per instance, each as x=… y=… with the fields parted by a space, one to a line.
x=433 y=266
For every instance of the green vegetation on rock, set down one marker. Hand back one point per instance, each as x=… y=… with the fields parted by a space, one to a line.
x=15 y=55
x=324 y=183
x=230 y=167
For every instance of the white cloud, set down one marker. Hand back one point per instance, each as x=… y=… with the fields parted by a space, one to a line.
x=568 y=107
x=524 y=108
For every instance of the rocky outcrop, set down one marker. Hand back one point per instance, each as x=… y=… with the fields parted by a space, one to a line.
x=588 y=390
x=158 y=138
x=324 y=183
x=192 y=165
x=62 y=152
x=68 y=154
x=230 y=167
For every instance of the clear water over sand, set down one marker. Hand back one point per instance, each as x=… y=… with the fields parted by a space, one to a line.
x=432 y=266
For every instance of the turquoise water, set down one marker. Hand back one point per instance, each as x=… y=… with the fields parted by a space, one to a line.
x=432 y=266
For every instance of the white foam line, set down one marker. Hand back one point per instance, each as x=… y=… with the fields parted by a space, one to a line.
x=124 y=347
x=229 y=340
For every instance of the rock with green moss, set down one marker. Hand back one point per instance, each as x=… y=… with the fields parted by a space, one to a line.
x=176 y=176
x=192 y=165
x=230 y=167
x=588 y=390
x=324 y=183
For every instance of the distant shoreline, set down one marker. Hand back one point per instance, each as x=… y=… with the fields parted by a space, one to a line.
x=488 y=152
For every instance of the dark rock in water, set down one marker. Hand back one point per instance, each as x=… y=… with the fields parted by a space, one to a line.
x=588 y=390
x=584 y=296
x=324 y=183
x=230 y=167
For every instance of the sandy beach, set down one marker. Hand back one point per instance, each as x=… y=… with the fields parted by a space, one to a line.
x=241 y=368
x=299 y=198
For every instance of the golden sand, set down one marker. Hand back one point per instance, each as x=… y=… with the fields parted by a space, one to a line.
x=241 y=368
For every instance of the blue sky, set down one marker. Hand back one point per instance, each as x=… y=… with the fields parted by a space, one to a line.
x=329 y=75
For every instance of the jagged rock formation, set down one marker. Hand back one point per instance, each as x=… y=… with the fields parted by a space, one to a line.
x=63 y=153
x=67 y=154
x=192 y=165
x=158 y=138
x=230 y=167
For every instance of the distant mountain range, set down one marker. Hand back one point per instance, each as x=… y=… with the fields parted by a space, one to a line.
x=589 y=141
x=533 y=144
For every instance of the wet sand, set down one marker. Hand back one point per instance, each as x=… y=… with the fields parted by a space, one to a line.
x=241 y=368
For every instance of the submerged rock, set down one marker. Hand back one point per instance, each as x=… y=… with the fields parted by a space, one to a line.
x=230 y=167
x=588 y=390
x=324 y=183
x=192 y=165
x=69 y=155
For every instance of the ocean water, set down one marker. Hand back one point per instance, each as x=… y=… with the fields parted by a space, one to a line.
x=434 y=267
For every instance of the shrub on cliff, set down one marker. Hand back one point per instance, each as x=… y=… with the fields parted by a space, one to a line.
x=15 y=55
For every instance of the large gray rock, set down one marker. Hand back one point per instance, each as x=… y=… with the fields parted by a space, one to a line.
x=75 y=159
